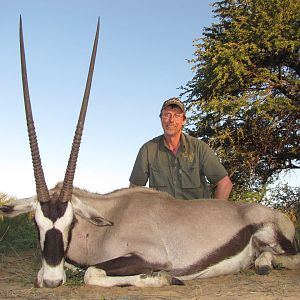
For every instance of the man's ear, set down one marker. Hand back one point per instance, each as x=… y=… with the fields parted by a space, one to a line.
x=18 y=207
x=88 y=213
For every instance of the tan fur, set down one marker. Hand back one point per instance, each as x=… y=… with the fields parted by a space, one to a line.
x=186 y=238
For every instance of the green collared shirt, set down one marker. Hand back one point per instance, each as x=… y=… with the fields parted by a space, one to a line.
x=183 y=176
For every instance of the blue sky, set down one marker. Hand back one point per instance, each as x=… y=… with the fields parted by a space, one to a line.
x=142 y=60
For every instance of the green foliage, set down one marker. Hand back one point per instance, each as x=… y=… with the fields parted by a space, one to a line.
x=249 y=272
x=75 y=277
x=285 y=198
x=241 y=194
x=4 y=198
x=17 y=234
x=245 y=95
x=297 y=237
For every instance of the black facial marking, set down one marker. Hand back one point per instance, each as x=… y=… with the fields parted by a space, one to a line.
x=37 y=228
x=53 y=251
x=6 y=209
x=54 y=209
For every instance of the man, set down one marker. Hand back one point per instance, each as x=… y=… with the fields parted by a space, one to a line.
x=178 y=163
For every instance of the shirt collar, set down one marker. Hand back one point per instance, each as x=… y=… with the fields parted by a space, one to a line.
x=183 y=143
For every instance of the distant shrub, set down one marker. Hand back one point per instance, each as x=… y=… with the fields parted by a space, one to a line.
x=4 y=198
x=17 y=234
x=286 y=199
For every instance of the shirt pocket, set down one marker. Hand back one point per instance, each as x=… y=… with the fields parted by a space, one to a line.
x=190 y=177
x=156 y=177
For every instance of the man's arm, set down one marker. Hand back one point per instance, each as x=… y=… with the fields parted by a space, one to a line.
x=223 y=189
x=139 y=174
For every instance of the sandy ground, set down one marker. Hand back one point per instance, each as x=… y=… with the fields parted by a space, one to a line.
x=17 y=274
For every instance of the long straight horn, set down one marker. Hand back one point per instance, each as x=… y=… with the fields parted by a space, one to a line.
x=67 y=188
x=40 y=183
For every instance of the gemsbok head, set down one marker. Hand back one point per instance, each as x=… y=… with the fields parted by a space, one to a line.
x=54 y=215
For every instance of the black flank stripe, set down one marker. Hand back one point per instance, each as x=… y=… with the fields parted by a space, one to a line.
x=232 y=248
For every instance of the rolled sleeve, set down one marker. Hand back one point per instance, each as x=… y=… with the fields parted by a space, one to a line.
x=212 y=166
x=140 y=172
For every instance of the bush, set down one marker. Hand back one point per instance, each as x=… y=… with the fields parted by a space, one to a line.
x=4 y=198
x=17 y=234
x=286 y=199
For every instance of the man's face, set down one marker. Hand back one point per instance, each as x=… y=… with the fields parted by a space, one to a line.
x=172 y=120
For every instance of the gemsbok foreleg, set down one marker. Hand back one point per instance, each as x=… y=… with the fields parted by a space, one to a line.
x=95 y=276
x=129 y=270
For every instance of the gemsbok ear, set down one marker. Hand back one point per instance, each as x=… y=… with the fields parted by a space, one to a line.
x=88 y=213
x=18 y=207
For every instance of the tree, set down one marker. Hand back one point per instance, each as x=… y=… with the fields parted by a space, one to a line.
x=285 y=198
x=4 y=198
x=244 y=98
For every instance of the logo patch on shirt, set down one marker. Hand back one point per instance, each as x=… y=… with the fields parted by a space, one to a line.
x=188 y=155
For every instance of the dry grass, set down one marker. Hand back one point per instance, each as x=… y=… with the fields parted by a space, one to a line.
x=22 y=266
x=18 y=271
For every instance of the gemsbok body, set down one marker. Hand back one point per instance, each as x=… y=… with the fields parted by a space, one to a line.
x=144 y=237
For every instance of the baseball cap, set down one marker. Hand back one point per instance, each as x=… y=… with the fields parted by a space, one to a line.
x=173 y=101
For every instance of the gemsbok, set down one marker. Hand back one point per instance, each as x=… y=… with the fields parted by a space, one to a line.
x=140 y=236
